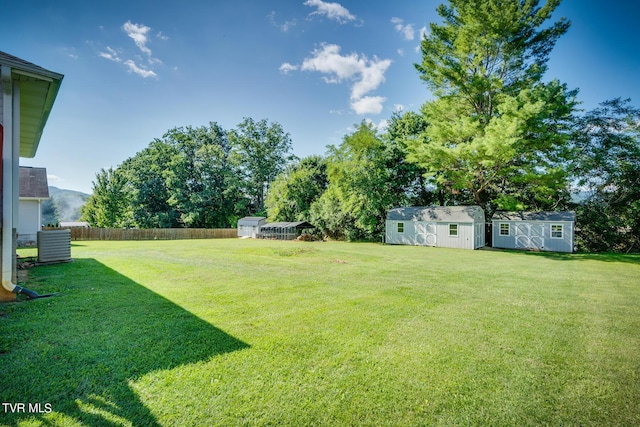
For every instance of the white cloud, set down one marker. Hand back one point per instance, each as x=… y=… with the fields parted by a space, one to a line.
x=286 y=68
x=133 y=67
x=372 y=77
x=138 y=33
x=333 y=11
x=54 y=178
x=328 y=60
x=407 y=30
x=368 y=105
x=111 y=54
x=286 y=26
x=398 y=107
x=381 y=126
x=365 y=74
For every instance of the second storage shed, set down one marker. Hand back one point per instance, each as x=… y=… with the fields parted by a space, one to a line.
x=542 y=231
x=443 y=226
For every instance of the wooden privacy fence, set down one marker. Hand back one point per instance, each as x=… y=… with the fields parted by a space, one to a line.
x=85 y=233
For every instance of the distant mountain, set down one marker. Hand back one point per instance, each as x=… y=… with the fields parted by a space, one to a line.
x=62 y=205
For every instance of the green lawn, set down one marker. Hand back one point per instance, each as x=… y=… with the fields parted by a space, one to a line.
x=245 y=332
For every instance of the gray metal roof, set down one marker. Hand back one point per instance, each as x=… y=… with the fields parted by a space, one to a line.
x=435 y=213
x=569 y=216
x=33 y=183
x=38 y=90
x=251 y=220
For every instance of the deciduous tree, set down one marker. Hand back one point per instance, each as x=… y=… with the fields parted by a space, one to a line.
x=109 y=204
x=261 y=150
x=363 y=185
x=607 y=167
x=291 y=194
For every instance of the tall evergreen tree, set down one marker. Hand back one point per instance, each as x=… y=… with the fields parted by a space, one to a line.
x=497 y=133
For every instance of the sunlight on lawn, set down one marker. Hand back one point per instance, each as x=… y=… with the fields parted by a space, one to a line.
x=254 y=332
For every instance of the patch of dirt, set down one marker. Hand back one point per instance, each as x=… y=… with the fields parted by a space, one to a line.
x=339 y=261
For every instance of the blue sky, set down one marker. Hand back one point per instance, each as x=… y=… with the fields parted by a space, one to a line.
x=135 y=69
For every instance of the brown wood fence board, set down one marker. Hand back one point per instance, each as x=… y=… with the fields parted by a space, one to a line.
x=84 y=233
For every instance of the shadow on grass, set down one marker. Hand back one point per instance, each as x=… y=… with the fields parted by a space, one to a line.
x=560 y=256
x=75 y=354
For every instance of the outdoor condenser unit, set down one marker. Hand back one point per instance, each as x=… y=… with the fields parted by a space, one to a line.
x=54 y=246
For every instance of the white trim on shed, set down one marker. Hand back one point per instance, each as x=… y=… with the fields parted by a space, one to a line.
x=442 y=226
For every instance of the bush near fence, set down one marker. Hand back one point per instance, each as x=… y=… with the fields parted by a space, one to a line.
x=85 y=233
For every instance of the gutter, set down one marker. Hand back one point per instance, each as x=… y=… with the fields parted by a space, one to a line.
x=9 y=151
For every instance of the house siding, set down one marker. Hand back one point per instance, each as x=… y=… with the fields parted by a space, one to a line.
x=29 y=221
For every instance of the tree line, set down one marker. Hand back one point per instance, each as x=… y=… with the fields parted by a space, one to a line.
x=198 y=177
x=495 y=134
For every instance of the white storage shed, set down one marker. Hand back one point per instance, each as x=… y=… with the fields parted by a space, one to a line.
x=442 y=226
x=250 y=226
x=542 y=231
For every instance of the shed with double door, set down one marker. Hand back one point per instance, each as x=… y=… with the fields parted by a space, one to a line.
x=250 y=226
x=542 y=231
x=440 y=226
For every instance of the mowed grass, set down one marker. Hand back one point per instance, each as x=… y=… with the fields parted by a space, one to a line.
x=246 y=332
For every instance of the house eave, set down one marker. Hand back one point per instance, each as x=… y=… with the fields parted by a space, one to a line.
x=38 y=91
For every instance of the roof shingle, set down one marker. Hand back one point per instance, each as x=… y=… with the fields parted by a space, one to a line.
x=33 y=183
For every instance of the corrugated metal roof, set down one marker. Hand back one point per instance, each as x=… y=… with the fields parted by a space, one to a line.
x=435 y=213
x=33 y=183
x=274 y=225
x=534 y=216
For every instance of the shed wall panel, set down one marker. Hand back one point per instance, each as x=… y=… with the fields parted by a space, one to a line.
x=549 y=243
x=464 y=240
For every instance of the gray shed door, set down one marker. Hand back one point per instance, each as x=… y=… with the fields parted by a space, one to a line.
x=426 y=233
x=529 y=236
x=479 y=229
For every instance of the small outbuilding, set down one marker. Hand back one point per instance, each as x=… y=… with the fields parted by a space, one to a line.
x=250 y=226
x=441 y=226
x=284 y=230
x=541 y=231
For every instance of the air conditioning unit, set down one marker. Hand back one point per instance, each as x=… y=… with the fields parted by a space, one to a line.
x=54 y=246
